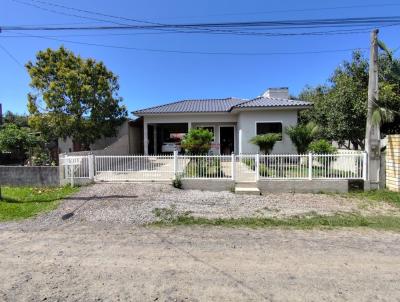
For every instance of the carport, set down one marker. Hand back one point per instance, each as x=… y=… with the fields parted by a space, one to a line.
x=160 y=133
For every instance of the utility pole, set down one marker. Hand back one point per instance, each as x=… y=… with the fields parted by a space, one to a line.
x=372 y=133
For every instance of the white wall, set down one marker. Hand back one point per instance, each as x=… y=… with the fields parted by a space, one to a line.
x=245 y=122
x=247 y=129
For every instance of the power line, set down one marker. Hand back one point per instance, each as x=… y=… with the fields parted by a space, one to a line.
x=292 y=24
x=198 y=52
x=202 y=27
x=12 y=56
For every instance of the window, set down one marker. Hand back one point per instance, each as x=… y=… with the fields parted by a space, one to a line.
x=265 y=128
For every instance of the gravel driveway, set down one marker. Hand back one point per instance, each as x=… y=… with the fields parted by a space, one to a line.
x=134 y=203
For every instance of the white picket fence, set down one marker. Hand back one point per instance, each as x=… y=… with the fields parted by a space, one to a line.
x=241 y=168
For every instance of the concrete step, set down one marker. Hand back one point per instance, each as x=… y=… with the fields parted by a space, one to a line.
x=244 y=184
x=249 y=191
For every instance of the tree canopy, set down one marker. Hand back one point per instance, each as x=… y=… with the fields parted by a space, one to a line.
x=73 y=96
x=340 y=107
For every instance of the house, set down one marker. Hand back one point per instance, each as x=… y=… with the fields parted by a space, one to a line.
x=233 y=121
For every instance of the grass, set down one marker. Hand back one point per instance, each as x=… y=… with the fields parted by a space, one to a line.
x=24 y=202
x=377 y=195
x=317 y=221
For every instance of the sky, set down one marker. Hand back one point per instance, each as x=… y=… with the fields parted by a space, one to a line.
x=150 y=78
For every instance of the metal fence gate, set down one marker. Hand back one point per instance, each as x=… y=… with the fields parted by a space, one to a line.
x=240 y=168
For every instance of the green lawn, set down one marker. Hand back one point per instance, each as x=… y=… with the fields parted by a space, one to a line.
x=317 y=221
x=378 y=195
x=25 y=202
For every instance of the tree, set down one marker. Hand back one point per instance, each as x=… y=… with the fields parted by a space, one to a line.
x=266 y=142
x=340 y=108
x=197 y=141
x=13 y=118
x=302 y=135
x=73 y=97
x=18 y=141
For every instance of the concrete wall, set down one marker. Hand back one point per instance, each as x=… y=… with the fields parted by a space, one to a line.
x=393 y=163
x=247 y=129
x=303 y=186
x=66 y=145
x=208 y=184
x=29 y=176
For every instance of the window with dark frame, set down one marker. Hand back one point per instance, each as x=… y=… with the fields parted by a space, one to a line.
x=265 y=128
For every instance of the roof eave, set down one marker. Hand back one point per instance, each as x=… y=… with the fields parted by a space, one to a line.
x=252 y=108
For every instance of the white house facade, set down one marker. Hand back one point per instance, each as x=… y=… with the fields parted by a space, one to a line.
x=233 y=122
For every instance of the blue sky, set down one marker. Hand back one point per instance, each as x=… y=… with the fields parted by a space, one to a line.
x=149 y=78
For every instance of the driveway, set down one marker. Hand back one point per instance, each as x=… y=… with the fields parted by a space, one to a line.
x=79 y=262
x=102 y=252
x=135 y=204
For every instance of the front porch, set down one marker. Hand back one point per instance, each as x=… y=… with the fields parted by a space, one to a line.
x=164 y=138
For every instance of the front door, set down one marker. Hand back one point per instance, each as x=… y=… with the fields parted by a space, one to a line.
x=227 y=139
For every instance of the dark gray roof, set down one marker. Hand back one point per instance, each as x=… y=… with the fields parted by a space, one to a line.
x=272 y=102
x=219 y=105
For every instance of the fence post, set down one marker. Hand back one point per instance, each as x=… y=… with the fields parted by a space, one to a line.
x=175 y=163
x=91 y=166
x=257 y=166
x=310 y=166
x=365 y=166
x=233 y=168
x=61 y=168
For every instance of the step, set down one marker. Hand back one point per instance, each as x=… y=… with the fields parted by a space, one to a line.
x=249 y=191
x=244 y=184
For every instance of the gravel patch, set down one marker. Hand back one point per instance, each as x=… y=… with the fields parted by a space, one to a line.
x=134 y=203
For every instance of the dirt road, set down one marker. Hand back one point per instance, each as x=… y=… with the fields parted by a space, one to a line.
x=115 y=262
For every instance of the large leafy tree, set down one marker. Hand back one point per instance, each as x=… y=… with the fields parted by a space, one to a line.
x=73 y=96
x=340 y=108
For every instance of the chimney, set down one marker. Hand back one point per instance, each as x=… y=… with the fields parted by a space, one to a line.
x=279 y=93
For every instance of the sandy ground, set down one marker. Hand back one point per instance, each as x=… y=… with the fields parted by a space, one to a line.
x=103 y=253
x=134 y=203
x=78 y=262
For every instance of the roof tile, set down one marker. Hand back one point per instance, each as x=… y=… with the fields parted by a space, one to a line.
x=219 y=105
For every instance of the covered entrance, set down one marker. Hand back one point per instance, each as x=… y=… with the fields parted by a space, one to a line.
x=166 y=137
x=227 y=139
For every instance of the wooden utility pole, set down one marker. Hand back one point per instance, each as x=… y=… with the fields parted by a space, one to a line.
x=372 y=134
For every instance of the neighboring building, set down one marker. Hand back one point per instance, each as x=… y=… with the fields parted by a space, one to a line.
x=233 y=121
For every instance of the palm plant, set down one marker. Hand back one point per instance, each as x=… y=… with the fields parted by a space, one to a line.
x=266 y=142
x=302 y=135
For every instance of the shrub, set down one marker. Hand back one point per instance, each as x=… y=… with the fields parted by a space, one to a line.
x=177 y=182
x=302 y=136
x=321 y=146
x=197 y=141
x=266 y=142
x=204 y=167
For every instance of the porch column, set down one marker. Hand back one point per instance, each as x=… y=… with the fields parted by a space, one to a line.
x=189 y=126
x=145 y=139
x=155 y=139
